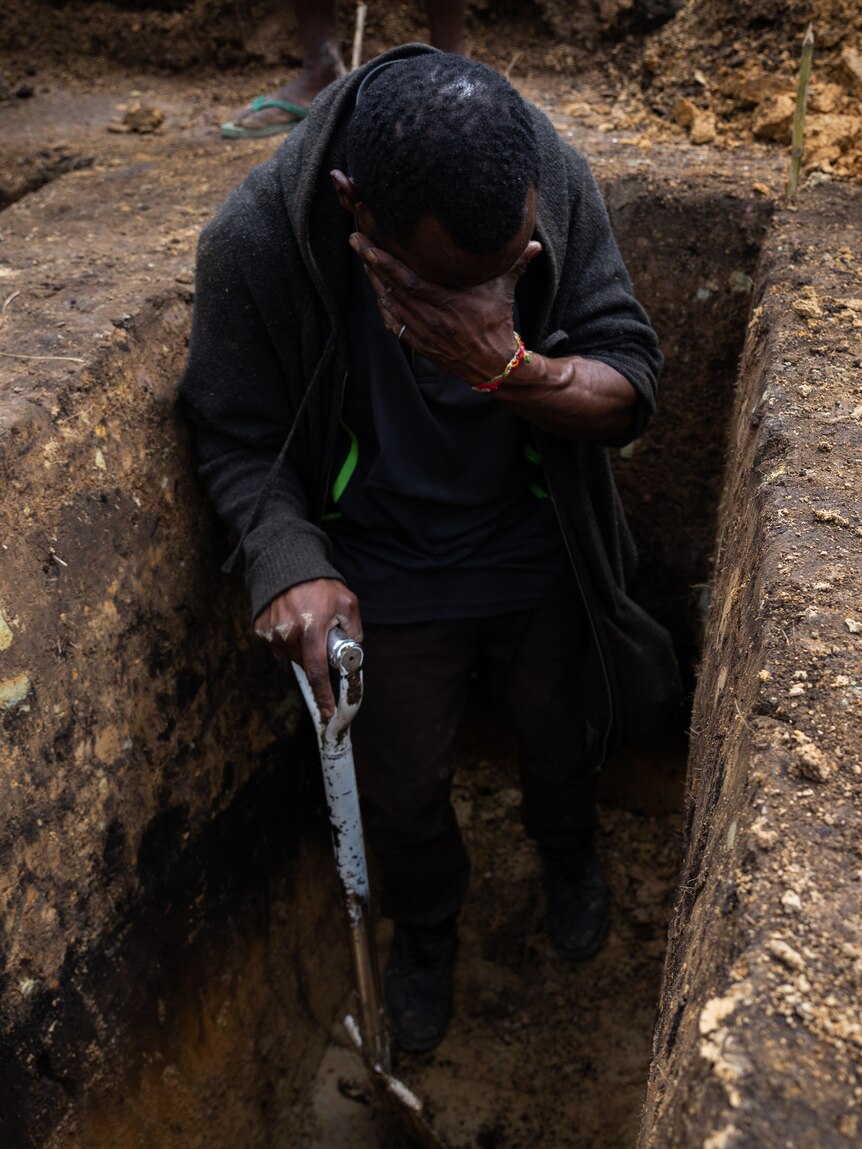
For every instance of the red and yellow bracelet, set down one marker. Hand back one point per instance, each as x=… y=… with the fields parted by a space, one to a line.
x=522 y=355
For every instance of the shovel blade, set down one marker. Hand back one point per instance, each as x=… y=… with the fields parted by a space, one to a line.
x=398 y=1097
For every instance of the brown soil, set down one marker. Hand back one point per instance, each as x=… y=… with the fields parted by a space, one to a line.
x=716 y=74
x=771 y=998
x=541 y=1054
x=727 y=73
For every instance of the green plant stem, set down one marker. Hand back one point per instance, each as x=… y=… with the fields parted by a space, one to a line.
x=798 y=145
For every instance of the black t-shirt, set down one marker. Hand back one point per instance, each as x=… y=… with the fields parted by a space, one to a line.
x=438 y=506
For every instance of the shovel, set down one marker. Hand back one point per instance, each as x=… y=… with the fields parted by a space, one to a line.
x=368 y=1033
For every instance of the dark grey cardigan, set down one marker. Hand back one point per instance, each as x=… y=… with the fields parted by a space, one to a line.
x=264 y=382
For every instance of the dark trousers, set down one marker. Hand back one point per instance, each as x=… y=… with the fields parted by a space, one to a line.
x=405 y=741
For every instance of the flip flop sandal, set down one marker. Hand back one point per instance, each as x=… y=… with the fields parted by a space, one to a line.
x=232 y=131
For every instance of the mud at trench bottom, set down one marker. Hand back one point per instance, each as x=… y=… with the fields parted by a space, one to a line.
x=541 y=1053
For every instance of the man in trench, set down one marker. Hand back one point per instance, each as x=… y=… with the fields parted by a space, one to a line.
x=414 y=340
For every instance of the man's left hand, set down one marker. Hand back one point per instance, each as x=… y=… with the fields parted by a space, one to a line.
x=466 y=331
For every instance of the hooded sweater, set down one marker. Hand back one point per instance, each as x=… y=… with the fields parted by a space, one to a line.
x=267 y=369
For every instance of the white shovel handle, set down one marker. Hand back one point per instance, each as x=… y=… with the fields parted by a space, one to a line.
x=342 y=799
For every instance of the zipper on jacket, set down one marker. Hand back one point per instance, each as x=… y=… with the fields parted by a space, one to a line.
x=590 y=619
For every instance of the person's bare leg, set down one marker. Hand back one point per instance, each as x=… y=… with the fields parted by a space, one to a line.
x=446 y=25
x=321 y=63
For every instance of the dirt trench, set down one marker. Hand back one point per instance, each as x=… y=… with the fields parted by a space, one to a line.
x=172 y=956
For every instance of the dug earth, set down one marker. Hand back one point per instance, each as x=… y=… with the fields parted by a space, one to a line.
x=173 y=960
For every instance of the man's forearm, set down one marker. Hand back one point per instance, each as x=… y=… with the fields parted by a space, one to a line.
x=573 y=397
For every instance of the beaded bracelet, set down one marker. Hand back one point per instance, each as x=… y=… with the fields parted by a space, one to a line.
x=522 y=355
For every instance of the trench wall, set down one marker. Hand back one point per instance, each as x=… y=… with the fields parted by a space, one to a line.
x=170 y=953
x=691 y=247
x=759 y=1040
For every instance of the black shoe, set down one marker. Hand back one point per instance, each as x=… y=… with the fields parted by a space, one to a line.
x=579 y=903
x=418 y=984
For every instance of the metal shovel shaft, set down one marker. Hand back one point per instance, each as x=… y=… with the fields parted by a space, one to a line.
x=342 y=799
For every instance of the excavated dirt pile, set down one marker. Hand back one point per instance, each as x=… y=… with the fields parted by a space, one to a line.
x=172 y=961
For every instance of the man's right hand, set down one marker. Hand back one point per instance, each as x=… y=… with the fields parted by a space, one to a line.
x=297 y=624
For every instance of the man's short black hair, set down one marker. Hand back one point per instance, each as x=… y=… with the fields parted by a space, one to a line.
x=441 y=135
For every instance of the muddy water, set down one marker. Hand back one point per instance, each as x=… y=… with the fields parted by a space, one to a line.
x=542 y=1054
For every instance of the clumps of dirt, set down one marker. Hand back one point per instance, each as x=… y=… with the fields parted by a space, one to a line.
x=776 y=765
x=87 y=35
x=802 y=973
x=549 y=35
x=711 y=72
x=728 y=76
x=140 y=118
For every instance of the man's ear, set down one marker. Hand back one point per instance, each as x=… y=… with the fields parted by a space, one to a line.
x=346 y=191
